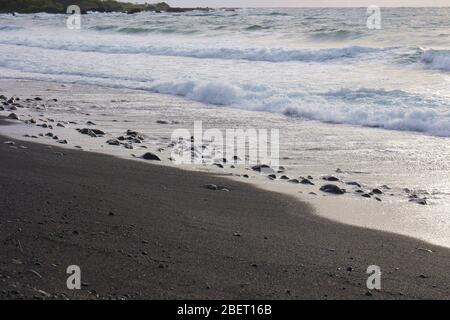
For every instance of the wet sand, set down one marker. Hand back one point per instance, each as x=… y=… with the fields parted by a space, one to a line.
x=143 y=231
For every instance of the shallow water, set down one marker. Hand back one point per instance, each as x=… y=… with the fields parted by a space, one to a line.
x=316 y=64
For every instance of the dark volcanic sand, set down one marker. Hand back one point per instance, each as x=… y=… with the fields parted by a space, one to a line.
x=169 y=237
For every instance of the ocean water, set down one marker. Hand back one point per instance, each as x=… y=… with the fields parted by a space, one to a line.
x=313 y=64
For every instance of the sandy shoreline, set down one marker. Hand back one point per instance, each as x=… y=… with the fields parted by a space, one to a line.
x=144 y=231
x=306 y=150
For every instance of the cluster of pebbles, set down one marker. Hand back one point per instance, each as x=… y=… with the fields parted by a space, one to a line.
x=328 y=184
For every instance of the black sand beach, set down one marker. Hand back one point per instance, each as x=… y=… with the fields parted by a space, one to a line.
x=142 y=231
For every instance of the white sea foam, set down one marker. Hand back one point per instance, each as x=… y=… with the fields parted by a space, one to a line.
x=251 y=54
x=251 y=59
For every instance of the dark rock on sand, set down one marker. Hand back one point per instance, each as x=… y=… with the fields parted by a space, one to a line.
x=162 y=122
x=366 y=195
x=91 y=132
x=331 y=188
x=377 y=191
x=284 y=178
x=330 y=178
x=150 y=156
x=421 y=201
x=263 y=168
x=353 y=183
x=63 y=141
x=215 y=187
x=294 y=181
x=13 y=116
x=60 y=125
x=113 y=142
x=272 y=176
x=306 y=181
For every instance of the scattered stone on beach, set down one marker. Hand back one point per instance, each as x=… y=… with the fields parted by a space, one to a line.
x=49 y=134
x=245 y=176
x=113 y=142
x=150 y=156
x=219 y=165
x=272 y=176
x=2 y=108
x=90 y=123
x=366 y=195
x=284 y=178
x=421 y=201
x=60 y=125
x=62 y=141
x=132 y=133
x=330 y=178
x=294 y=181
x=13 y=116
x=263 y=168
x=377 y=191
x=353 y=183
x=215 y=187
x=378 y=199
x=211 y=187
x=331 y=188
x=94 y=133
x=307 y=182
x=425 y=250
x=162 y=122
x=38 y=99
